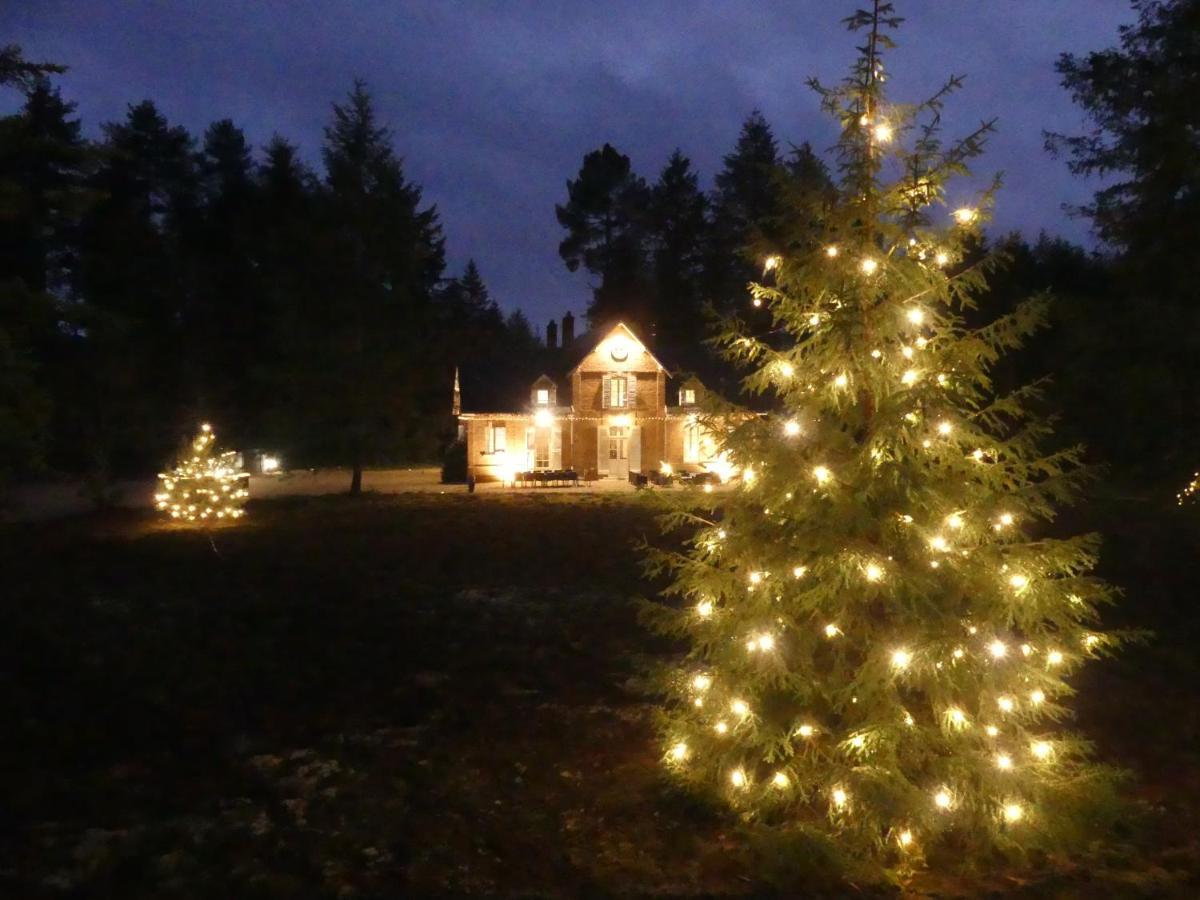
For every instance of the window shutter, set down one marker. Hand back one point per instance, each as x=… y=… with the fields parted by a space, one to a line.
x=601 y=451
x=635 y=449
x=607 y=392
x=556 y=447
x=631 y=389
x=530 y=444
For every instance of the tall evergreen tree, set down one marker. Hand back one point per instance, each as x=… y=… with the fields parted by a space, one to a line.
x=882 y=642
x=1140 y=97
x=676 y=227
x=366 y=377
x=603 y=217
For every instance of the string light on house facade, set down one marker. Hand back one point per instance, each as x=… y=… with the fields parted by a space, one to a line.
x=894 y=690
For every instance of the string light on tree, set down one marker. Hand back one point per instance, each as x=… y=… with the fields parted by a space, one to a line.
x=203 y=485
x=927 y=622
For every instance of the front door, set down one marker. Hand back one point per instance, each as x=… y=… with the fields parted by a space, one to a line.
x=614 y=447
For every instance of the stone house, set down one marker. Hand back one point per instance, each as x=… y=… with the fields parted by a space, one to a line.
x=610 y=409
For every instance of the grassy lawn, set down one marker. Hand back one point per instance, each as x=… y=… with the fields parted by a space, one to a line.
x=415 y=695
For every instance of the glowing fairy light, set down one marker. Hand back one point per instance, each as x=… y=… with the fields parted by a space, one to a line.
x=944 y=428
x=1005 y=520
x=915 y=315
x=909 y=720
x=679 y=752
x=1090 y=641
x=942 y=258
x=882 y=132
x=907 y=352
x=1018 y=582
x=869 y=266
x=702 y=682
x=766 y=642
x=965 y=215
x=738 y=778
x=943 y=799
x=203 y=485
x=956 y=718
x=1041 y=749
x=1006 y=704
x=831 y=251
x=901 y=659
x=991 y=731
x=955 y=521
x=959 y=653
x=904 y=838
x=780 y=780
x=822 y=474
x=938 y=543
x=998 y=649
x=839 y=797
x=740 y=708
x=841 y=381
x=814 y=320
x=1054 y=658
x=771 y=263
x=786 y=369
x=910 y=376
x=799 y=571
x=832 y=631
x=1013 y=813
x=873 y=572
x=806 y=731
x=1037 y=697
x=756 y=577
x=791 y=428
x=1003 y=761
x=704 y=609
x=721 y=727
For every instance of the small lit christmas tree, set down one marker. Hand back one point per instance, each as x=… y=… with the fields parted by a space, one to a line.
x=881 y=649
x=204 y=484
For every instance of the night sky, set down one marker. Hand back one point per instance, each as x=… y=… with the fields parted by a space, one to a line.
x=493 y=104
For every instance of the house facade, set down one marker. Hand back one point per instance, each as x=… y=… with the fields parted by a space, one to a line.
x=615 y=410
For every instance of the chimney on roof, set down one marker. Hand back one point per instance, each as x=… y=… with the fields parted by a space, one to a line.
x=568 y=329
x=551 y=334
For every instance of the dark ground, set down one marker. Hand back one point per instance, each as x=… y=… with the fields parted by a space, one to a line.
x=417 y=695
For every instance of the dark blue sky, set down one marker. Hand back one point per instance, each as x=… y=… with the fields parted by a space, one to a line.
x=493 y=104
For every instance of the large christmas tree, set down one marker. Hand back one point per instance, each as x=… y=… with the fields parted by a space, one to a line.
x=882 y=638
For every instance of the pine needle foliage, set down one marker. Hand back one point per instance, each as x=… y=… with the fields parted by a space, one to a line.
x=881 y=637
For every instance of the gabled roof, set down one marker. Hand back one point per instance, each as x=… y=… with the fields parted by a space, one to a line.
x=619 y=328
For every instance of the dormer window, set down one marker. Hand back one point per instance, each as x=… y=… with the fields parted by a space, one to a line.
x=687 y=396
x=542 y=392
x=542 y=397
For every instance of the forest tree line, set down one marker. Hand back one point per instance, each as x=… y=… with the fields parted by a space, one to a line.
x=152 y=278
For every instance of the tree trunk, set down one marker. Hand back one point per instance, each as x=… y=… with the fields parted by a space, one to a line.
x=356 y=479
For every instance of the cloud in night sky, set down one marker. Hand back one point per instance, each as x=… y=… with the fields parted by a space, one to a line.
x=493 y=104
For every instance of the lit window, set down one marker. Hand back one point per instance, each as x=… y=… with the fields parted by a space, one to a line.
x=497 y=438
x=543 y=397
x=687 y=396
x=618 y=442
x=617 y=387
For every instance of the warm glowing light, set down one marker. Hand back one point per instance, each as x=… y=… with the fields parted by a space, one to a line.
x=822 y=474
x=909 y=377
x=942 y=258
x=906 y=352
x=621 y=421
x=1026 y=649
x=786 y=369
x=780 y=780
x=708 y=488
x=702 y=682
x=956 y=717
x=832 y=631
x=740 y=708
x=806 y=731
x=869 y=266
x=738 y=778
x=756 y=577
x=959 y=653
x=1018 y=581
x=839 y=797
x=909 y=720
x=799 y=571
x=901 y=659
x=916 y=315
x=814 y=320
x=873 y=572
x=1041 y=749
x=831 y=251
x=1054 y=658
x=666 y=468
x=1005 y=520
x=965 y=215
x=1090 y=641
x=998 y=649
x=1003 y=761
x=841 y=381
x=679 y=752
x=771 y=262
x=937 y=542
x=992 y=730
x=883 y=132
x=1006 y=704
x=977 y=454
x=704 y=609
x=721 y=727
x=543 y=418
x=904 y=838
x=942 y=799
x=268 y=464
x=1037 y=697
x=204 y=484
x=1013 y=812
x=944 y=428
x=766 y=642
x=791 y=428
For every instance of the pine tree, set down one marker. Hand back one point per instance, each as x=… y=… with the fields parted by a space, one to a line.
x=882 y=636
